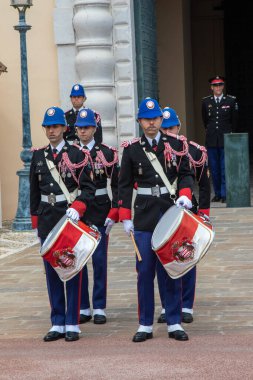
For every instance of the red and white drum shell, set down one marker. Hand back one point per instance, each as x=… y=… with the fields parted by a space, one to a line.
x=180 y=240
x=69 y=246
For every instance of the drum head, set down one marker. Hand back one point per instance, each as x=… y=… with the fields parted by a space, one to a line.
x=52 y=234
x=166 y=226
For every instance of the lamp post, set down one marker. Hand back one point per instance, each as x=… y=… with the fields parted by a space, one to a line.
x=22 y=219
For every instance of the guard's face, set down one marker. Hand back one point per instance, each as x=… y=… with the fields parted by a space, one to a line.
x=77 y=101
x=151 y=127
x=174 y=130
x=217 y=89
x=85 y=134
x=54 y=133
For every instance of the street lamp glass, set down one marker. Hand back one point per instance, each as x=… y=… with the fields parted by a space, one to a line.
x=21 y=3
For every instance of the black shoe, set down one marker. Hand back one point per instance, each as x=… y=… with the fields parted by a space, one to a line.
x=71 y=336
x=178 y=335
x=223 y=200
x=99 y=319
x=187 y=317
x=215 y=199
x=53 y=335
x=84 y=318
x=161 y=319
x=142 y=336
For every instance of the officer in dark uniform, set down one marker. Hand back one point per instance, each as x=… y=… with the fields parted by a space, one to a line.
x=152 y=200
x=48 y=204
x=198 y=160
x=220 y=115
x=103 y=212
x=78 y=97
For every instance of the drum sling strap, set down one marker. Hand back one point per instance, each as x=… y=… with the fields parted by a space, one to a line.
x=159 y=169
x=55 y=174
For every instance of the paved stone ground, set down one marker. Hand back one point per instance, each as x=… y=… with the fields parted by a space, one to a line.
x=14 y=241
x=220 y=345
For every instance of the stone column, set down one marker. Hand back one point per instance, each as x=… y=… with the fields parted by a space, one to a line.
x=125 y=69
x=93 y=26
x=95 y=44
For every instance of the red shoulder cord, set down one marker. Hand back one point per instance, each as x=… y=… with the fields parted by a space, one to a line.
x=65 y=164
x=86 y=152
x=201 y=162
x=101 y=159
x=184 y=141
x=169 y=151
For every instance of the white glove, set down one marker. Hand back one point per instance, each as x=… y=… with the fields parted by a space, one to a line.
x=73 y=214
x=184 y=201
x=108 y=224
x=128 y=226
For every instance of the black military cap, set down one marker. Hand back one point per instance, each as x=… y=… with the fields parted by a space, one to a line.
x=216 y=80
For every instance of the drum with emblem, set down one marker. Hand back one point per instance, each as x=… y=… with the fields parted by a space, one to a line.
x=69 y=246
x=180 y=240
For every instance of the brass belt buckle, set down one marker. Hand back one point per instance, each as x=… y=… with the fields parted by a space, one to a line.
x=155 y=191
x=51 y=199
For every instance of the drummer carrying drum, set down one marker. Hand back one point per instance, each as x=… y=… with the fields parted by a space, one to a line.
x=55 y=169
x=198 y=159
x=152 y=201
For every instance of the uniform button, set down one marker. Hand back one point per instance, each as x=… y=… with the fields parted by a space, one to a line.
x=217 y=127
x=216 y=122
x=156 y=176
x=51 y=184
x=217 y=117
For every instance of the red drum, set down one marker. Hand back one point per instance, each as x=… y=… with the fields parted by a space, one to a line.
x=180 y=240
x=69 y=246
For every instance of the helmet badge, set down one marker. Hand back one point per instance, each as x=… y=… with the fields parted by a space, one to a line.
x=51 y=111
x=150 y=104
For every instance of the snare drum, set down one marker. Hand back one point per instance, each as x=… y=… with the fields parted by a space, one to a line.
x=180 y=240
x=69 y=246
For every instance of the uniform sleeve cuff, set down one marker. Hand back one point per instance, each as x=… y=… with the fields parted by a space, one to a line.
x=205 y=211
x=79 y=206
x=114 y=214
x=34 y=219
x=124 y=214
x=187 y=192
